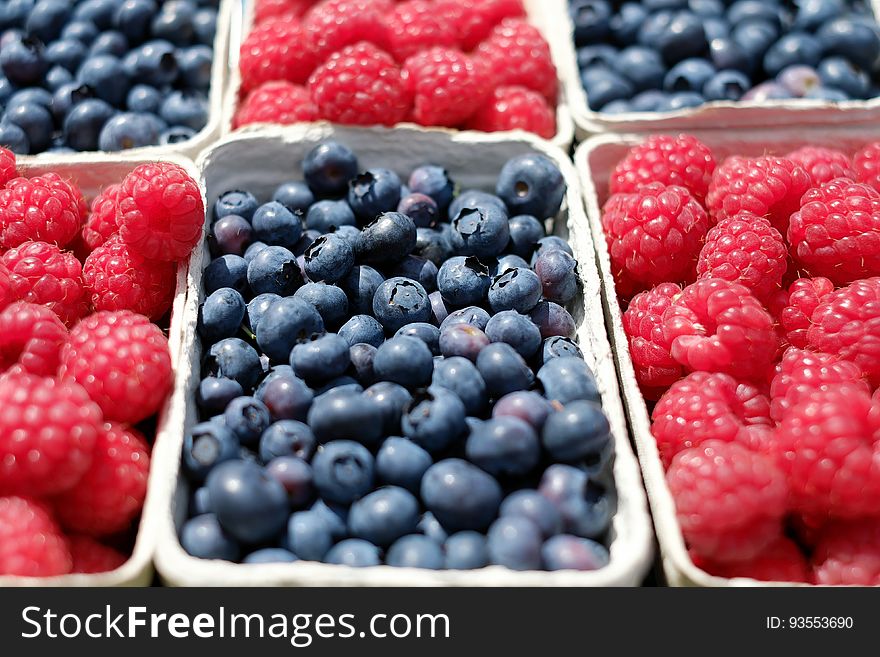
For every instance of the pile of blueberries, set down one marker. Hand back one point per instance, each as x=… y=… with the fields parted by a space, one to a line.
x=667 y=55
x=86 y=75
x=389 y=376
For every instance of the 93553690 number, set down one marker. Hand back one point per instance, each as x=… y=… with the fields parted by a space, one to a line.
x=809 y=623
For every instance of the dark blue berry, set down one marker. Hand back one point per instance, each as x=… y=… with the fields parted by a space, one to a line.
x=400 y=462
x=515 y=289
x=531 y=184
x=434 y=182
x=343 y=471
x=516 y=330
x=460 y=495
x=463 y=281
x=353 y=552
x=384 y=515
x=274 y=269
x=515 y=542
x=286 y=323
x=503 y=370
x=206 y=445
x=322 y=359
x=362 y=329
x=533 y=506
x=415 y=551
x=233 y=358
x=309 y=535
x=579 y=431
x=568 y=379
x=557 y=347
x=504 y=447
x=329 y=258
x=203 y=537
x=295 y=475
x=400 y=301
x=462 y=340
x=374 y=192
x=221 y=315
x=270 y=555
x=237 y=202
x=391 y=399
x=346 y=414
x=466 y=550
x=583 y=502
x=286 y=396
x=247 y=418
x=427 y=333
x=434 y=419
x=567 y=552
x=404 y=360
x=215 y=393
x=250 y=505
x=328 y=167
x=482 y=232
x=226 y=271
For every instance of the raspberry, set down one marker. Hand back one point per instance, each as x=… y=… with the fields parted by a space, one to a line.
x=703 y=407
x=768 y=187
x=804 y=296
x=474 y=19
x=111 y=493
x=31 y=337
x=122 y=361
x=7 y=294
x=47 y=434
x=41 y=273
x=655 y=367
x=866 y=164
x=828 y=444
x=823 y=164
x=117 y=278
x=45 y=208
x=847 y=323
x=276 y=102
x=7 y=166
x=332 y=25
x=801 y=372
x=849 y=554
x=719 y=326
x=655 y=234
x=729 y=500
x=447 y=86
x=745 y=249
x=161 y=211
x=101 y=224
x=836 y=232
x=517 y=54
x=275 y=50
x=360 y=85
x=683 y=160
x=414 y=26
x=91 y=557
x=266 y=9
x=515 y=108
x=781 y=561
x=31 y=544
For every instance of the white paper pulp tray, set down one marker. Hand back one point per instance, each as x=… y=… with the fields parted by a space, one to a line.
x=259 y=163
x=91 y=173
x=543 y=14
x=713 y=115
x=595 y=159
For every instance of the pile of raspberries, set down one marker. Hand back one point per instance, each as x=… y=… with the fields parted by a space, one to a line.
x=472 y=64
x=751 y=290
x=83 y=369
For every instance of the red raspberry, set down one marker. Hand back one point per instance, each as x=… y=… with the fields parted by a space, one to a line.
x=719 y=326
x=847 y=323
x=31 y=544
x=275 y=50
x=360 y=85
x=801 y=372
x=768 y=187
x=804 y=296
x=266 y=9
x=683 y=160
x=276 y=102
x=655 y=234
x=474 y=19
x=31 y=337
x=655 y=367
x=414 y=26
x=745 y=249
x=111 y=493
x=47 y=434
x=122 y=361
x=515 y=108
x=90 y=557
x=447 y=86
x=849 y=554
x=866 y=164
x=781 y=561
x=161 y=211
x=7 y=166
x=517 y=54
x=332 y=25
x=7 y=294
x=118 y=278
x=836 y=232
x=41 y=273
x=101 y=224
x=703 y=407
x=45 y=208
x=823 y=164
x=729 y=501
x=828 y=444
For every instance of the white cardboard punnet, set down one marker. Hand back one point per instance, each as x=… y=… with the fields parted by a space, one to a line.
x=91 y=173
x=259 y=162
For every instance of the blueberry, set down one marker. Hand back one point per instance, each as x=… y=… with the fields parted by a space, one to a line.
x=604 y=87
x=439 y=311
x=286 y=323
x=388 y=238
x=418 y=269
x=433 y=181
x=483 y=233
x=793 y=48
x=226 y=271
x=748 y=10
x=415 y=551
x=683 y=37
x=99 y=12
x=557 y=347
x=343 y=471
x=203 y=537
x=362 y=357
x=250 y=505
x=755 y=37
x=466 y=550
x=133 y=18
x=274 y=224
x=460 y=376
x=322 y=359
x=557 y=271
x=462 y=340
x=83 y=31
x=329 y=300
x=525 y=231
x=231 y=235
x=328 y=167
x=430 y=528
x=533 y=506
x=515 y=542
x=353 y=552
x=221 y=315
x=642 y=67
x=233 y=358
x=400 y=462
x=200 y=502
x=552 y=319
x=568 y=379
x=580 y=431
x=653 y=27
x=474 y=198
x=247 y=418
x=384 y=515
x=726 y=85
x=551 y=243
x=128 y=130
x=207 y=445
x=531 y=184
x=472 y=315
x=15 y=13
x=715 y=28
x=460 y=495
x=839 y=73
x=329 y=258
x=186 y=108
x=360 y=287
x=503 y=370
x=286 y=396
x=362 y=329
x=295 y=475
x=725 y=53
x=813 y=14
x=57 y=77
x=287 y=438
x=174 y=22
x=566 y=552
x=434 y=419
x=515 y=289
x=504 y=446
x=517 y=330
x=583 y=502
x=798 y=80
x=400 y=301
x=706 y=8
x=295 y=196
x=36 y=122
x=530 y=407
x=274 y=269
x=111 y=42
x=309 y=535
x=154 y=63
x=252 y=250
x=326 y=216
x=405 y=360
x=215 y=393
x=205 y=25
x=767 y=91
x=427 y=333
x=237 y=202
x=176 y=135
x=270 y=555
x=463 y=281
x=421 y=209
x=257 y=307
x=346 y=415
x=46 y=20
x=373 y=193
x=626 y=22
x=508 y=261
x=591 y=20
x=599 y=55
x=105 y=74
x=647 y=101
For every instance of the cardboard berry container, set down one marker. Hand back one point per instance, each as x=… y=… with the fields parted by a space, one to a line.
x=259 y=162
x=713 y=115
x=91 y=173
x=595 y=159
x=543 y=14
